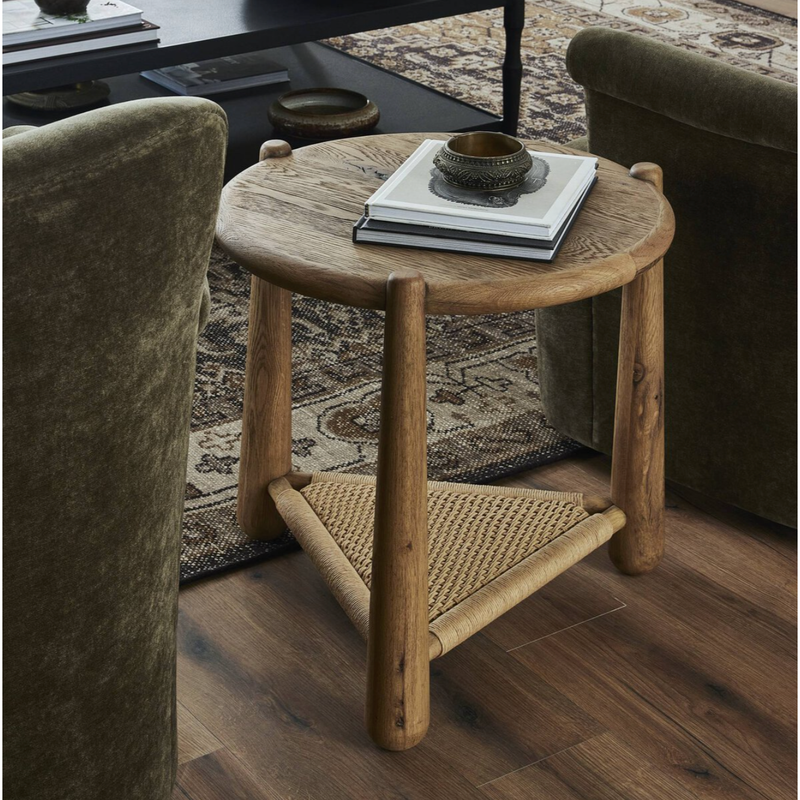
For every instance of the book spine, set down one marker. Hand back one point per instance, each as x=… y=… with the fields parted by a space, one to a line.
x=66 y=31
x=21 y=56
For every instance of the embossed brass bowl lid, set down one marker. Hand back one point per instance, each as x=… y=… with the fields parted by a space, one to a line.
x=484 y=160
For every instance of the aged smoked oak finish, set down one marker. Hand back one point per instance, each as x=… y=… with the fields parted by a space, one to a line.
x=288 y=220
x=278 y=217
x=398 y=676
x=637 y=480
x=267 y=443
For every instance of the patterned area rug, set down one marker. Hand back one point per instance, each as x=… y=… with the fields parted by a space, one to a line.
x=461 y=56
x=484 y=413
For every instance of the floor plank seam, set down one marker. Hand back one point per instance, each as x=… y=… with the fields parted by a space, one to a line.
x=574 y=625
x=183 y=791
x=538 y=761
x=205 y=728
x=202 y=755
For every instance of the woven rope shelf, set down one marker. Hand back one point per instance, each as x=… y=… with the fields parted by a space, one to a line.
x=489 y=547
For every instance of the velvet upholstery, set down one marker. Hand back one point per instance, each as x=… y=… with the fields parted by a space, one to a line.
x=109 y=219
x=726 y=140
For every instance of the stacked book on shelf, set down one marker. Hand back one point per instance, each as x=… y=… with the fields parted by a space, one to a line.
x=30 y=34
x=417 y=208
x=220 y=74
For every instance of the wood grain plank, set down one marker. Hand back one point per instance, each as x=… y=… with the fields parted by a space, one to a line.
x=714 y=542
x=692 y=604
x=300 y=689
x=194 y=739
x=688 y=686
x=570 y=599
x=604 y=768
x=710 y=640
x=288 y=699
x=219 y=776
x=659 y=685
x=489 y=717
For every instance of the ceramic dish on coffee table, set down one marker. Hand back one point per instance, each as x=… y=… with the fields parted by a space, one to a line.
x=323 y=113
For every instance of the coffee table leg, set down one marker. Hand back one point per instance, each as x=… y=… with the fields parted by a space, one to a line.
x=513 y=22
x=398 y=670
x=637 y=473
x=267 y=421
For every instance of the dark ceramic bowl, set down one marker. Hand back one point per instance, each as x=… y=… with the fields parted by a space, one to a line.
x=484 y=161
x=323 y=113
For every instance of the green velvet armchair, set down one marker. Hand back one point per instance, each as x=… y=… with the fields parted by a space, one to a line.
x=727 y=141
x=109 y=219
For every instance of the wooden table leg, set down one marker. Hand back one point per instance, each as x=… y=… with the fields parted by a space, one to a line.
x=267 y=420
x=513 y=22
x=637 y=472
x=398 y=670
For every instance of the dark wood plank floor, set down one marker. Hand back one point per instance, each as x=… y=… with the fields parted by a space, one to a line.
x=677 y=685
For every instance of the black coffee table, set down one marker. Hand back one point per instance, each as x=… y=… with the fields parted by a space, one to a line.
x=193 y=30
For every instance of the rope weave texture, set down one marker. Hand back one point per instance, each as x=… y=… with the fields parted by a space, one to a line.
x=473 y=536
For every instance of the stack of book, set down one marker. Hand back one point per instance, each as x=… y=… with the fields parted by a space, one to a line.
x=416 y=208
x=220 y=74
x=30 y=35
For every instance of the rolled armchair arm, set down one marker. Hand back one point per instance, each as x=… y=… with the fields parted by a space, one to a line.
x=689 y=88
x=17 y=129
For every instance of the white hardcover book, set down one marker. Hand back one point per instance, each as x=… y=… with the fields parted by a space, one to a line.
x=427 y=238
x=416 y=193
x=25 y=23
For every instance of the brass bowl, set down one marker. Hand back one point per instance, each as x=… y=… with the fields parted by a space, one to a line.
x=323 y=113
x=484 y=161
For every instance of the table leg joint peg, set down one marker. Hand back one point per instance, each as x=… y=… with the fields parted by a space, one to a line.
x=647 y=171
x=274 y=148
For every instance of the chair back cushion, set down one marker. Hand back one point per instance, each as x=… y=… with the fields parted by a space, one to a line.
x=109 y=220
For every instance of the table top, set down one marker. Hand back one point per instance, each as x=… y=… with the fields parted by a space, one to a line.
x=289 y=221
x=193 y=30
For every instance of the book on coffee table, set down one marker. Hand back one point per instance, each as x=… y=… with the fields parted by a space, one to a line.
x=25 y=23
x=32 y=35
x=425 y=237
x=220 y=74
x=418 y=194
x=67 y=45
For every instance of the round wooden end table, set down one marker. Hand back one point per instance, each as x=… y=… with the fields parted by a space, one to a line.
x=420 y=566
